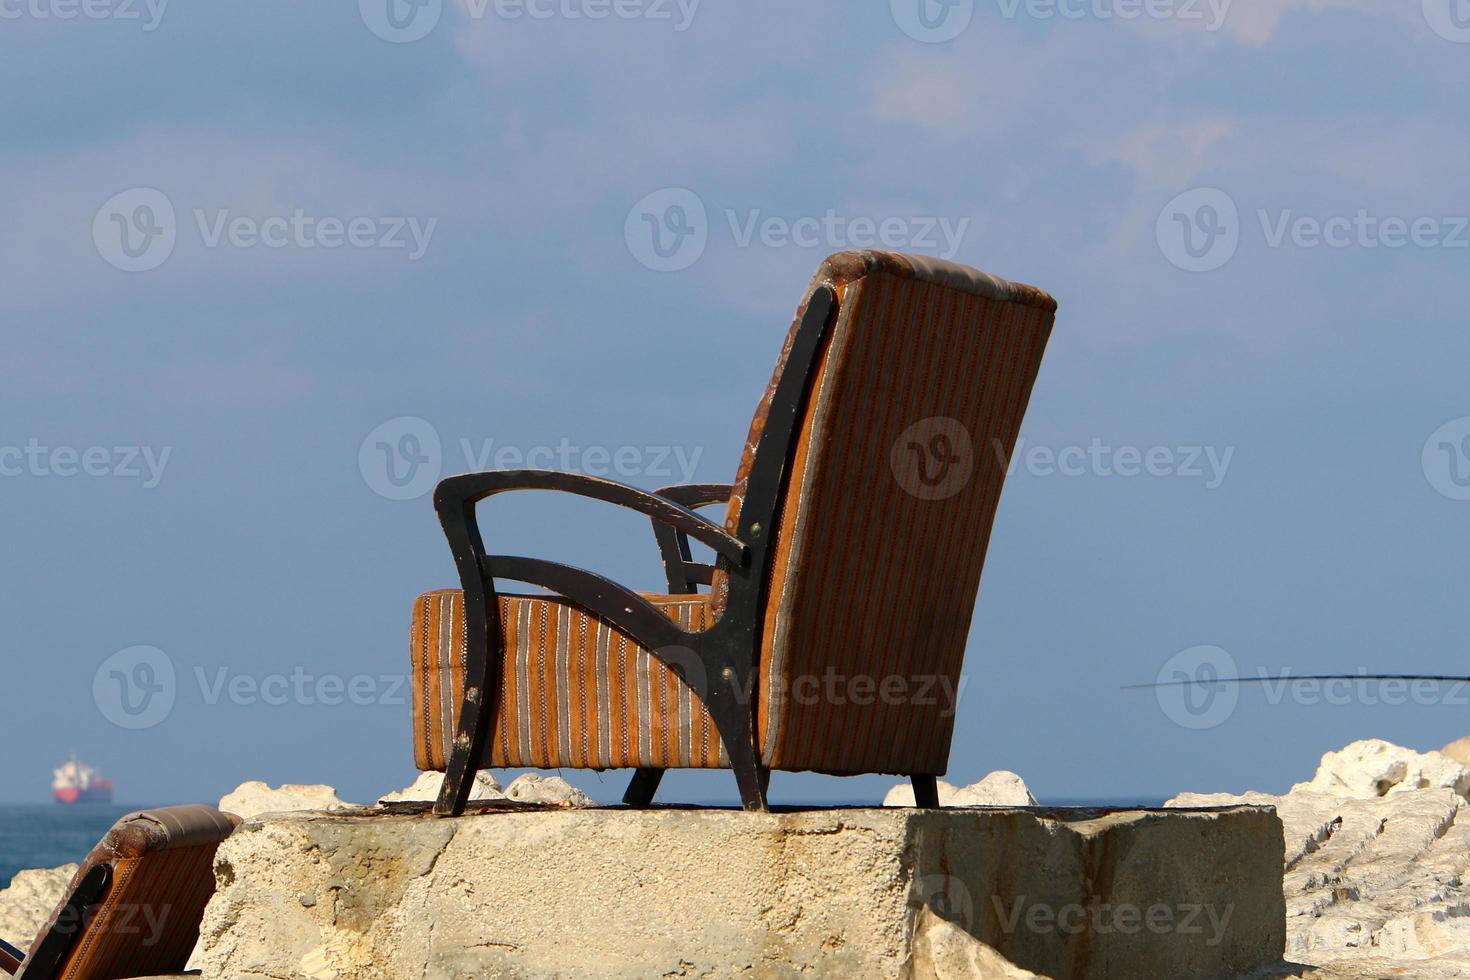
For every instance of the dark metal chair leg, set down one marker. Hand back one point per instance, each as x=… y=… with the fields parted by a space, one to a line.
x=483 y=653
x=459 y=775
x=732 y=720
x=642 y=787
x=752 y=786
x=926 y=792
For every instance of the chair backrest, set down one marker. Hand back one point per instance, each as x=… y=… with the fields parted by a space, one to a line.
x=134 y=906
x=911 y=416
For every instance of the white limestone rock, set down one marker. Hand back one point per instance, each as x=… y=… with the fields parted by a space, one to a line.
x=549 y=790
x=1377 y=844
x=1459 y=750
x=250 y=799
x=1002 y=788
x=29 y=901
x=1373 y=768
x=426 y=788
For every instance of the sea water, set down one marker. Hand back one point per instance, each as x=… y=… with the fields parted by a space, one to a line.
x=45 y=835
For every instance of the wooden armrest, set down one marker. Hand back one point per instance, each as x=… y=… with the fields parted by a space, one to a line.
x=680 y=568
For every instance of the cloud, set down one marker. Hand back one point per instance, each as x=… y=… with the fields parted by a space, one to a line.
x=998 y=80
x=1411 y=160
x=1162 y=155
x=1256 y=21
x=936 y=93
x=639 y=102
x=1274 y=169
x=1249 y=22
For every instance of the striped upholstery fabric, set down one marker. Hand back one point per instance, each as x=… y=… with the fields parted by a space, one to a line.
x=575 y=693
x=162 y=877
x=863 y=678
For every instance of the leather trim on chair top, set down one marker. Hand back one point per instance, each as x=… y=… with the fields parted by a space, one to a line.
x=847 y=266
x=178 y=826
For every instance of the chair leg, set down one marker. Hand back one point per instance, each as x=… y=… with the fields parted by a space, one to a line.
x=752 y=780
x=459 y=775
x=642 y=787
x=737 y=732
x=926 y=792
x=481 y=694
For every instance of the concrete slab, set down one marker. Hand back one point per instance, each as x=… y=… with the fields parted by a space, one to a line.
x=689 y=892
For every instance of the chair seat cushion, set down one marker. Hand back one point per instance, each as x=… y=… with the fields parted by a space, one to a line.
x=575 y=691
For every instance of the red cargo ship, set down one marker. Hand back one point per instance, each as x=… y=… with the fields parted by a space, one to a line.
x=77 y=782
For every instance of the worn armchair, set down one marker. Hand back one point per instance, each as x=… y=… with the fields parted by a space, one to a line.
x=134 y=906
x=843 y=581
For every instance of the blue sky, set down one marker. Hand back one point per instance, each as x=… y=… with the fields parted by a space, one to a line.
x=1252 y=214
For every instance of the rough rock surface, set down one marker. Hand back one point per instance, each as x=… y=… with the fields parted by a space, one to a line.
x=549 y=790
x=676 y=892
x=253 y=798
x=1000 y=788
x=527 y=788
x=1459 y=750
x=1377 y=845
x=1374 y=768
x=426 y=788
x=30 y=899
x=944 y=951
